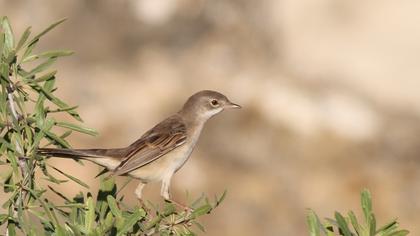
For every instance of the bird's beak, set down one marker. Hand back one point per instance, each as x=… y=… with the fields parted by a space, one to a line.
x=231 y=105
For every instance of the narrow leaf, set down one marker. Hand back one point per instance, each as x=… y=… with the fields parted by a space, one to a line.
x=45 y=77
x=355 y=223
x=220 y=200
x=77 y=128
x=11 y=228
x=130 y=222
x=201 y=210
x=58 y=140
x=400 y=233
x=89 y=215
x=313 y=224
x=1 y=42
x=366 y=201
x=41 y=67
x=23 y=38
x=71 y=177
x=36 y=38
x=59 y=194
x=201 y=227
x=48 y=54
x=28 y=50
x=342 y=224
x=113 y=206
x=7 y=29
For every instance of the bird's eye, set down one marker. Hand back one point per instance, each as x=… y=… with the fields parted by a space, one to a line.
x=214 y=102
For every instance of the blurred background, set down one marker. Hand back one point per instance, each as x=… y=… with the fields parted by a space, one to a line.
x=329 y=89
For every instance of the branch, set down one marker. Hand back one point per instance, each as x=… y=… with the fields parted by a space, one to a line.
x=11 y=102
x=22 y=163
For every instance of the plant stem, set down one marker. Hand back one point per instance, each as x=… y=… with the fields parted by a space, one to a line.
x=11 y=101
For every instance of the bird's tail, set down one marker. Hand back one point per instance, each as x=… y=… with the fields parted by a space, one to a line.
x=81 y=153
x=89 y=154
x=66 y=153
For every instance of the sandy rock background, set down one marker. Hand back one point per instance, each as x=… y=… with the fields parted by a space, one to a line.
x=330 y=91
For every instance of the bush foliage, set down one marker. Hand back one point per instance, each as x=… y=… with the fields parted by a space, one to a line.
x=350 y=226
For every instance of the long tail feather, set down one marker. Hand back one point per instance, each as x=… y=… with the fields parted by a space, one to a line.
x=81 y=153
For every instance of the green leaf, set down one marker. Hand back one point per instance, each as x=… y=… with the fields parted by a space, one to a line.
x=23 y=38
x=47 y=209
x=3 y=218
x=400 y=233
x=89 y=215
x=67 y=109
x=39 y=134
x=313 y=224
x=355 y=223
x=113 y=206
x=131 y=221
x=6 y=144
x=169 y=209
x=106 y=188
x=28 y=135
x=47 y=76
x=39 y=214
x=11 y=228
x=4 y=73
x=41 y=67
x=11 y=56
x=36 y=38
x=59 y=194
x=220 y=200
x=48 y=54
x=205 y=209
x=46 y=91
x=366 y=201
x=76 y=180
x=108 y=222
x=63 y=143
x=9 y=38
x=11 y=200
x=201 y=227
x=372 y=224
x=77 y=128
x=28 y=50
x=2 y=38
x=13 y=162
x=9 y=185
x=342 y=224
x=197 y=202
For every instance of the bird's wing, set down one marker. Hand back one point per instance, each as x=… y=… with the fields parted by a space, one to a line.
x=161 y=139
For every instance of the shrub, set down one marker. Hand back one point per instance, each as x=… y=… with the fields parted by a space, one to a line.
x=351 y=226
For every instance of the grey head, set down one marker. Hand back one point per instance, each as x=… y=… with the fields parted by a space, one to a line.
x=205 y=104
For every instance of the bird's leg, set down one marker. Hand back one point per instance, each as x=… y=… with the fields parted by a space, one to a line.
x=164 y=192
x=139 y=193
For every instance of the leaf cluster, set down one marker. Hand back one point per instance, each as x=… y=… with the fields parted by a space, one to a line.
x=350 y=226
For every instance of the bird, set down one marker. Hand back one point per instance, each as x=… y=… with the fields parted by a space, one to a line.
x=162 y=150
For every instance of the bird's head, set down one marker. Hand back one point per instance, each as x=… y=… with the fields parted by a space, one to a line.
x=207 y=103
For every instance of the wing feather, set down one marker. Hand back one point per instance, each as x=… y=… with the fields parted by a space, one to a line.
x=161 y=139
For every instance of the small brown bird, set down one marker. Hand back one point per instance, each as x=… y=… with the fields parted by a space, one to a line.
x=162 y=150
